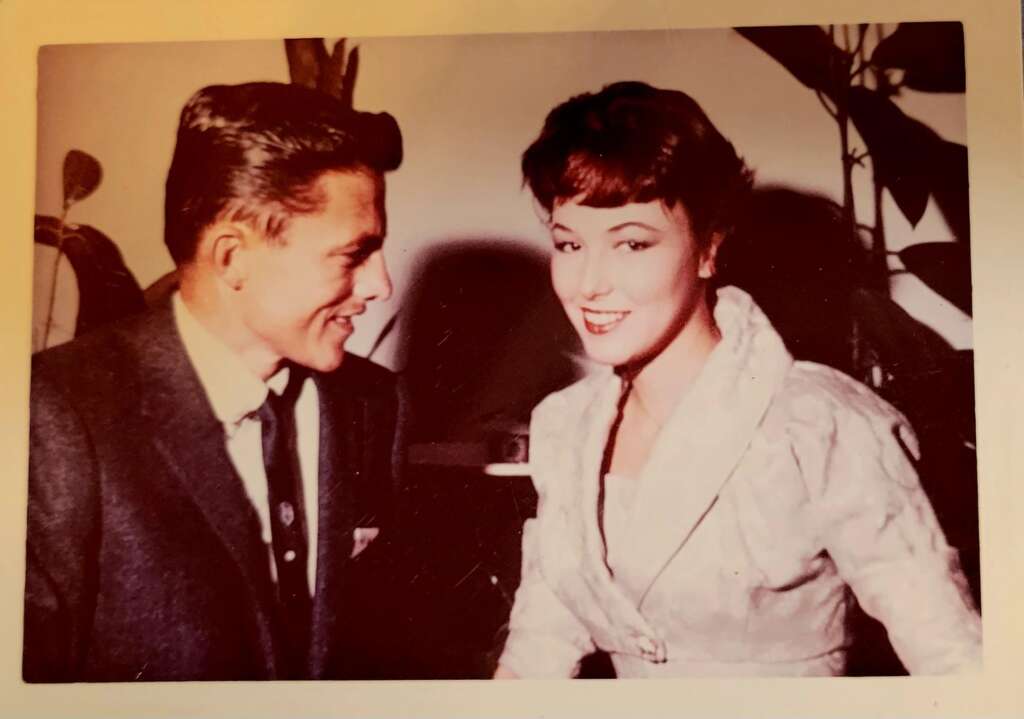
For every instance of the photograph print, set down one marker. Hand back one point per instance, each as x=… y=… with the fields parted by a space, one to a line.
x=578 y=355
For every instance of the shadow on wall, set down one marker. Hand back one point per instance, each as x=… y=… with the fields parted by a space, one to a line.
x=484 y=341
x=792 y=254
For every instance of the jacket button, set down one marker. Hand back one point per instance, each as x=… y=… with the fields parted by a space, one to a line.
x=286 y=513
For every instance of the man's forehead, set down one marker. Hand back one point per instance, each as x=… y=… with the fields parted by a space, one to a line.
x=355 y=186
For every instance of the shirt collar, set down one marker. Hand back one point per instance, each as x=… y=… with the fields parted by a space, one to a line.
x=234 y=391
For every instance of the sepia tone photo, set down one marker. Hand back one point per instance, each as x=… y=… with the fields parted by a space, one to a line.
x=596 y=354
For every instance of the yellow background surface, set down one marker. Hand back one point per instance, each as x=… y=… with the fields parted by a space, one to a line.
x=994 y=137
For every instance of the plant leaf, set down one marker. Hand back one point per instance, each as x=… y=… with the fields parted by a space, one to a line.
x=306 y=60
x=331 y=72
x=82 y=175
x=900 y=148
x=931 y=54
x=348 y=82
x=950 y=187
x=945 y=267
x=912 y=161
x=805 y=50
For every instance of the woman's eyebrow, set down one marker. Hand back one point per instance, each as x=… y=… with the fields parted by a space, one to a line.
x=634 y=223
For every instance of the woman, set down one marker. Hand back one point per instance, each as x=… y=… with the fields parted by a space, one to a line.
x=706 y=503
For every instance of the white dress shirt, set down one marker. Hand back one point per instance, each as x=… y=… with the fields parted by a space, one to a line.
x=235 y=393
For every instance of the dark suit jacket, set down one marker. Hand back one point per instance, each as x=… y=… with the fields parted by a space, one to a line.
x=144 y=558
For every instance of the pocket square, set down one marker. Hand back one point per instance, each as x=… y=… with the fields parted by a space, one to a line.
x=361 y=538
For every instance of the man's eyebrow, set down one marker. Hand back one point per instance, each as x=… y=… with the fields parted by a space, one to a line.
x=363 y=245
x=371 y=242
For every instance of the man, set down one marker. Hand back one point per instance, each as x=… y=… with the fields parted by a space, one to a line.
x=209 y=482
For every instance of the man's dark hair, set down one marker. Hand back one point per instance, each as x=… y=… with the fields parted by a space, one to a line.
x=254 y=153
x=631 y=142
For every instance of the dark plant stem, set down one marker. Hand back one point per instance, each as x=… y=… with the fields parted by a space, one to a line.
x=842 y=117
x=844 y=76
x=878 y=263
x=878 y=266
x=53 y=282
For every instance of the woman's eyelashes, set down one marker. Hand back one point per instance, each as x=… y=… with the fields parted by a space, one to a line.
x=566 y=246
x=634 y=245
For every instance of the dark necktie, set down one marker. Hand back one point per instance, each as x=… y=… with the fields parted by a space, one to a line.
x=287 y=518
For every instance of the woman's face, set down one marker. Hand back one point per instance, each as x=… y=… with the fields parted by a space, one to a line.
x=629 y=277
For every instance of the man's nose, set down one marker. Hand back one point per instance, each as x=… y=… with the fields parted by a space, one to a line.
x=373 y=281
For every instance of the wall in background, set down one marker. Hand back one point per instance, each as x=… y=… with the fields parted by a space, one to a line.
x=468 y=106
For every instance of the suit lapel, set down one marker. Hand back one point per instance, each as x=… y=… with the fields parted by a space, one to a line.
x=702 y=442
x=596 y=424
x=342 y=453
x=585 y=583
x=187 y=435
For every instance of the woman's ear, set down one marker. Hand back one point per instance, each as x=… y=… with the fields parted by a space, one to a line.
x=707 y=267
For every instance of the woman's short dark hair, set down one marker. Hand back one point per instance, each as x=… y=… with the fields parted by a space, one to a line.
x=254 y=153
x=631 y=142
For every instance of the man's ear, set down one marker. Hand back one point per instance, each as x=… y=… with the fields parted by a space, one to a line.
x=707 y=267
x=225 y=252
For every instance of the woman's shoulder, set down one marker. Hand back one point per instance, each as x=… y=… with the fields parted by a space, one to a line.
x=818 y=389
x=847 y=444
x=819 y=405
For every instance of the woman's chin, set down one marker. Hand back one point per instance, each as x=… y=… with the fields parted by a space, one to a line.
x=603 y=354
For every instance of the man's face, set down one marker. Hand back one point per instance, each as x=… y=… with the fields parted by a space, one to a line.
x=302 y=291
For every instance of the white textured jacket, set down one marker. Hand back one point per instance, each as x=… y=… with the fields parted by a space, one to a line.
x=773 y=489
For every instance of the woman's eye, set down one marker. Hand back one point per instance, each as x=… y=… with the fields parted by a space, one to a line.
x=566 y=246
x=634 y=245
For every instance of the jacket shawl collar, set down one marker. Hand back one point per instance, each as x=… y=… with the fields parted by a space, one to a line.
x=693 y=457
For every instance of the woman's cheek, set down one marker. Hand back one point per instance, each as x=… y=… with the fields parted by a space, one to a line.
x=643 y=277
x=563 y=278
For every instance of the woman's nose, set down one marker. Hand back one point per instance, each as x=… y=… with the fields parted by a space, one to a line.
x=594 y=281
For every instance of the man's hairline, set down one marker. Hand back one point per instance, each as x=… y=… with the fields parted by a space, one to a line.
x=283 y=212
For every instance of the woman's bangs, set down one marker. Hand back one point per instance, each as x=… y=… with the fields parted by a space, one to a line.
x=604 y=182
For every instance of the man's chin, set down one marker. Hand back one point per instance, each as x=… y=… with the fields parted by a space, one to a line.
x=324 y=362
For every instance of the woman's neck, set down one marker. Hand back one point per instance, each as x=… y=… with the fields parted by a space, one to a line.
x=659 y=384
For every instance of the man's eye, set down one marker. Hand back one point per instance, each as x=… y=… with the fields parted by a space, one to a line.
x=355 y=257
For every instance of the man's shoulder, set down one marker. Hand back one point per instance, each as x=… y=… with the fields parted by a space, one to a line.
x=105 y=357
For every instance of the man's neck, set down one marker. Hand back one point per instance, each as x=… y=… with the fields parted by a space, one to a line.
x=216 y=316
